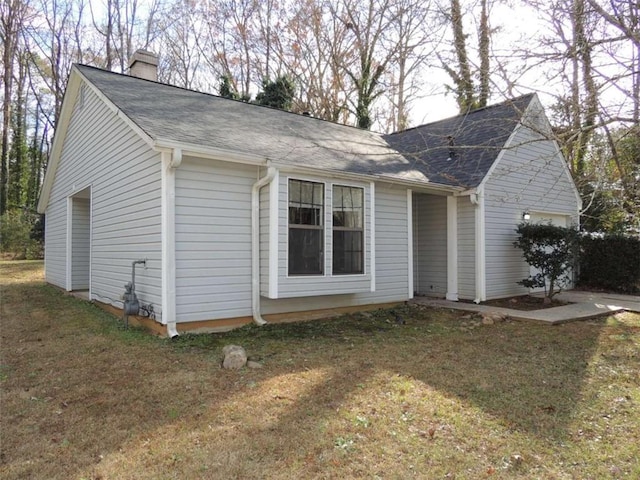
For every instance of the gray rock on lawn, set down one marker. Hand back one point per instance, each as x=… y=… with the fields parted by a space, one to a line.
x=490 y=318
x=235 y=357
x=253 y=364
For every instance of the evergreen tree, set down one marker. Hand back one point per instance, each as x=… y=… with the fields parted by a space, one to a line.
x=277 y=94
x=226 y=88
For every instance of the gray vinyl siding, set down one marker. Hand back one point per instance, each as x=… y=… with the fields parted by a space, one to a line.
x=55 y=245
x=391 y=260
x=101 y=151
x=529 y=177
x=80 y=243
x=430 y=244
x=213 y=245
x=213 y=239
x=466 y=249
x=327 y=284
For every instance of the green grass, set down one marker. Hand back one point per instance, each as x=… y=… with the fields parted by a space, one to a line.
x=359 y=396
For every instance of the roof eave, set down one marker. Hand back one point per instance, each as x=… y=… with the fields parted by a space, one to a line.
x=423 y=184
x=212 y=153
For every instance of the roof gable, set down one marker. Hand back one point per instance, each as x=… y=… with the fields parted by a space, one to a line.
x=460 y=150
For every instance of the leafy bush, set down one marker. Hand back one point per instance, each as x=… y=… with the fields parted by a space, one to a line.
x=550 y=249
x=611 y=262
x=21 y=235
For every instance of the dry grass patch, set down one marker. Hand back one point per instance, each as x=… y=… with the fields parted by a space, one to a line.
x=361 y=396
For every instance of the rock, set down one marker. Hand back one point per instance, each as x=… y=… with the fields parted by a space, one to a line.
x=492 y=317
x=235 y=357
x=253 y=364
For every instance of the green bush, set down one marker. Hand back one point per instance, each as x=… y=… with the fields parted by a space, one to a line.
x=552 y=250
x=611 y=262
x=19 y=236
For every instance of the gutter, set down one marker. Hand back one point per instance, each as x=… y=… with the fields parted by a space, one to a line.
x=255 y=243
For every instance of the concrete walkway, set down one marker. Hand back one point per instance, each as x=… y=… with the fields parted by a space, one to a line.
x=585 y=305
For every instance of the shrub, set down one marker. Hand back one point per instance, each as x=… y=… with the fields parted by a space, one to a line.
x=20 y=235
x=550 y=249
x=611 y=262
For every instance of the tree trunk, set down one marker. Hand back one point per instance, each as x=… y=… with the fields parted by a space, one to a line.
x=464 y=82
x=484 y=38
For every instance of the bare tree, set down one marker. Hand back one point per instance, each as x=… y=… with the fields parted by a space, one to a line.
x=311 y=45
x=416 y=28
x=52 y=43
x=180 y=31
x=372 y=50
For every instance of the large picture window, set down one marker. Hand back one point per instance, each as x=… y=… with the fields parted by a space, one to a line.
x=348 y=231
x=306 y=231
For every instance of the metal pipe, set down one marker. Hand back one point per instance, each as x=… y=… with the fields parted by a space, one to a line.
x=255 y=244
x=131 y=305
x=133 y=272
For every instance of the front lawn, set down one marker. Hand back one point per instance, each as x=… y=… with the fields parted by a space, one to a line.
x=360 y=396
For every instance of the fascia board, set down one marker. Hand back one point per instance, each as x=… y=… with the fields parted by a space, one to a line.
x=445 y=189
x=211 y=153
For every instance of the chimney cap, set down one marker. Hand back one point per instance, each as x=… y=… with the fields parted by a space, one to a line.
x=145 y=56
x=144 y=64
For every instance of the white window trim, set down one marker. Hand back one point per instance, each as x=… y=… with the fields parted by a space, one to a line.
x=328 y=229
x=324 y=243
x=365 y=271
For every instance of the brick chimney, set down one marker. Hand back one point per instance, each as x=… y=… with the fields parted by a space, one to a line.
x=144 y=64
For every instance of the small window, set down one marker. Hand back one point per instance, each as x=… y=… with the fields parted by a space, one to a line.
x=306 y=231
x=348 y=231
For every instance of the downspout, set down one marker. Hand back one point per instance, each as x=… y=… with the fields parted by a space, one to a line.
x=477 y=199
x=168 y=243
x=255 y=243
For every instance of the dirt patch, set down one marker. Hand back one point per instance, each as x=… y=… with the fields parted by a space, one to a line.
x=522 y=302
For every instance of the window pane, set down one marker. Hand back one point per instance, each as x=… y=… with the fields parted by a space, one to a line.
x=347 y=206
x=294 y=191
x=306 y=203
x=347 y=252
x=306 y=235
x=305 y=251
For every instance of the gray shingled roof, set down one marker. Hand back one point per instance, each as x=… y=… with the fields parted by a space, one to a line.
x=460 y=150
x=169 y=113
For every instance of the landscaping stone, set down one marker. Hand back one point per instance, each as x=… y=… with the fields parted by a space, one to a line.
x=235 y=357
x=490 y=318
x=254 y=364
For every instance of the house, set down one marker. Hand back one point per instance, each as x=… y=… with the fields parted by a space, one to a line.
x=244 y=212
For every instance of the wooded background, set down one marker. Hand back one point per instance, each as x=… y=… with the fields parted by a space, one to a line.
x=370 y=64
